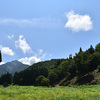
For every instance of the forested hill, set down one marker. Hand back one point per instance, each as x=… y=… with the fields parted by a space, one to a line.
x=83 y=68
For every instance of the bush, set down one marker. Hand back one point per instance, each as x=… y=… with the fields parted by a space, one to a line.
x=42 y=81
x=45 y=82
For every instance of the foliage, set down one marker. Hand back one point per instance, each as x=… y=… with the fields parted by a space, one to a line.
x=98 y=67
x=52 y=77
x=42 y=81
x=6 y=78
x=45 y=82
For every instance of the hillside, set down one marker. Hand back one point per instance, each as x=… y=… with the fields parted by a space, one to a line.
x=83 y=68
x=91 y=78
x=28 y=76
x=12 y=67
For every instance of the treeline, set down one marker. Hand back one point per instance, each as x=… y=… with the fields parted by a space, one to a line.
x=52 y=72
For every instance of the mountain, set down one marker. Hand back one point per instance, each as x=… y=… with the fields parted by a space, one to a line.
x=12 y=67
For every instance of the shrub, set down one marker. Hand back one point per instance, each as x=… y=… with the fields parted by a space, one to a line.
x=42 y=81
x=45 y=82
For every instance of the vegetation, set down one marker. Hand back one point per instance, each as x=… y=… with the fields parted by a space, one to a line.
x=42 y=81
x=62 y=71
x=89 y=92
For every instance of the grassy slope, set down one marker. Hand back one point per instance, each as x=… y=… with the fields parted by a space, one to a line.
x=89 y=92
x=87 y=79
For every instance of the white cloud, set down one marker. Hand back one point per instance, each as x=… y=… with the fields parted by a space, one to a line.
x=78 y=22
x=10 y=36
x=34 y=59
x=1 y=63
x=6 y=50
x=40 y=51
x=23 y=45
x=29 y=61
x=40 y=54
x=34 y=22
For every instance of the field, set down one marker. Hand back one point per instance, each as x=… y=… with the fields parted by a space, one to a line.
x=84 y=92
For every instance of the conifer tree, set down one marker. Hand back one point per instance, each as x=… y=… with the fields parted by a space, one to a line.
x=80 y=49
x=91 y=50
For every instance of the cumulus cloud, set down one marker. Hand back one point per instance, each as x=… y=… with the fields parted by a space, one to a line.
x=30 y=60
x=6 y=50
x=78 y=22
x=1 y=63
x=23 y=45
x=10 y=36
x=34 y=59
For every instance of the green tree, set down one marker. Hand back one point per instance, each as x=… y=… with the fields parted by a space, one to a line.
x=97 y=48
x=52 y=76
x=42 y=81
x=91 y=50
x=6 y=78
x=45 y=82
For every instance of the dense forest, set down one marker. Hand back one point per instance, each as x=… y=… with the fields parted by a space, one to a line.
x=57 y=71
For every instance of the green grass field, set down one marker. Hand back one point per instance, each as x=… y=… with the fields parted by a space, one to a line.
x=89 y=92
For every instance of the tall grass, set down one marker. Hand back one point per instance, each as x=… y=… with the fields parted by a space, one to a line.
x=84 y=92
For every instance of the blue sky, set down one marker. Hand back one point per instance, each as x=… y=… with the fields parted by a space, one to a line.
x=38 y=30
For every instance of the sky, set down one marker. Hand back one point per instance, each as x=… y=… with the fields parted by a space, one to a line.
x=37 y=30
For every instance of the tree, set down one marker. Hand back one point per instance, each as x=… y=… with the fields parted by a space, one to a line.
x=91 y=50
x=42 y=81
x=39 y=79
x=6 y=78
x=0 y=56
x=80 y=49
x=16 y=78
x=45 y=82
x=52 y=77
x=97 y=48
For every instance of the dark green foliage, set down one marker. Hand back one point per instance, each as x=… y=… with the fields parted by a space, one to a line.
x=16 y=78
x=91 y=50
x=98 y=67
x=97 y=48
x=29 y=75
x=39 y=79
x=6 y=78
x=52 y=77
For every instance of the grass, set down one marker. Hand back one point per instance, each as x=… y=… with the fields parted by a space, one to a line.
x=84 y=92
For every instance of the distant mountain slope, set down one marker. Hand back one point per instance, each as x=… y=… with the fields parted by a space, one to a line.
x=12 y=67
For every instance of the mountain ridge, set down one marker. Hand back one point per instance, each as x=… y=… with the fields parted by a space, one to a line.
x=12 y=67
